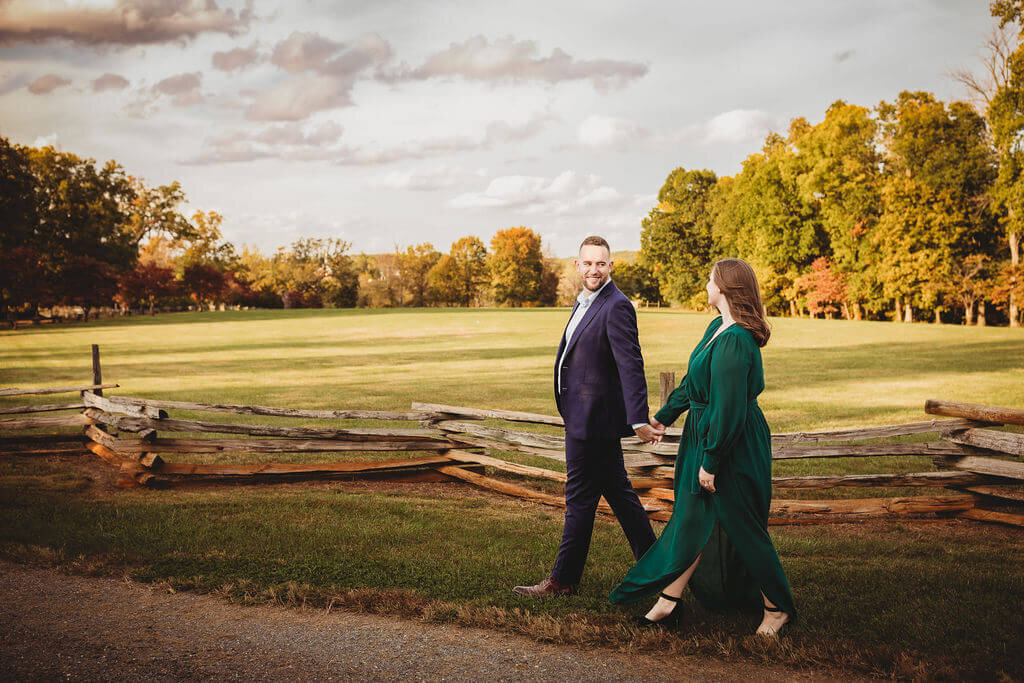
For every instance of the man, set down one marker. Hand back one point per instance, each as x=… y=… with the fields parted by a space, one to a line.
x=601 y=393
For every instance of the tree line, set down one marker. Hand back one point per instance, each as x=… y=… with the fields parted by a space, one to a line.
x=80 y=234
x=913 y=208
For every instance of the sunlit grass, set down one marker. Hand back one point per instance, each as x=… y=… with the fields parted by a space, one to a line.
x=887 y=598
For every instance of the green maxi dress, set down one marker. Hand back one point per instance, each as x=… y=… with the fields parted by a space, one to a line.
x=725 y=431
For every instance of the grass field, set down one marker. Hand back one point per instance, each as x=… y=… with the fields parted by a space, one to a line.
x=906 y=599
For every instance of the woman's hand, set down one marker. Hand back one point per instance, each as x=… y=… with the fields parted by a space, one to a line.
x=706 y=480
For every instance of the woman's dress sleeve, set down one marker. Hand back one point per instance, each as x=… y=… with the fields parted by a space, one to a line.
x=727 y=406
x=677 y=403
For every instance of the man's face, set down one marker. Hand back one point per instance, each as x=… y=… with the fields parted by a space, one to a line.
x=594 y=265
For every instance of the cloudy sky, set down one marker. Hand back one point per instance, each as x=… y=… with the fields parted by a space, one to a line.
x=393 y=122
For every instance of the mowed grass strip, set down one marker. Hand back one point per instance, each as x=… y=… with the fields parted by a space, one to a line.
x=892 y=598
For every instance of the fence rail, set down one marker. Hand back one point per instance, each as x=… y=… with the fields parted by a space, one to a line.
x=451 y=443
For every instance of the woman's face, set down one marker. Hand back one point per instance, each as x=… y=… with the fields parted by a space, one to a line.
x=714 y=293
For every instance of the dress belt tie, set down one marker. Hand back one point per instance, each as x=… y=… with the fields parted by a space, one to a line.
x=703 y=406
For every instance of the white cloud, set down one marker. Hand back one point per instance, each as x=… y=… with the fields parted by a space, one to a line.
x=303 y=51
x=507 y=59
x=237 y=59
x=124 y=22
x=566 y=193
x=44 y=85
x=109 y=81
x=290 y=141
x=426 y=179
x=608 y=132
x=297 y=98
x=739 y=126
x=46 y=141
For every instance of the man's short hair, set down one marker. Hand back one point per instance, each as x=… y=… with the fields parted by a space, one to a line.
x=596 y=241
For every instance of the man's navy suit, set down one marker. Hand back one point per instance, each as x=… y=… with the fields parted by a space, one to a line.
x=602 y=392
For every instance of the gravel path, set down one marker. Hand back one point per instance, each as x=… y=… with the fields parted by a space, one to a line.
x=53 y=625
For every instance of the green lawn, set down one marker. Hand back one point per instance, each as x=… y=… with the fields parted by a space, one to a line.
x=906 y=599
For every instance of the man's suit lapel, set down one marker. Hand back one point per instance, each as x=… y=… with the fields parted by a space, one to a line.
x=561 y=342
x=589 y=315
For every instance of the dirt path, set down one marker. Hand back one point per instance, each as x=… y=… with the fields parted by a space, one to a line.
x=53 y=625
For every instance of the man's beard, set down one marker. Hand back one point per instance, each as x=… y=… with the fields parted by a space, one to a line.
x=598 y=286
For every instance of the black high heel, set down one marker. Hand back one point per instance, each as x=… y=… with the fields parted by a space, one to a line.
x=670 y=619
x=773 y=633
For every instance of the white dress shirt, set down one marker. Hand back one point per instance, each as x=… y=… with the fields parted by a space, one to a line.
x=585 y=298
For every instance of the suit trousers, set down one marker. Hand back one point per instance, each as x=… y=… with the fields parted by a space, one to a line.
x=594 y=468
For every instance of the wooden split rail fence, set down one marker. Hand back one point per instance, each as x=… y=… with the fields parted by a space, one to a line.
x=979 y=465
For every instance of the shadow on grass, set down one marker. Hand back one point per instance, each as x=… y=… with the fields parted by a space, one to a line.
x=946 y=596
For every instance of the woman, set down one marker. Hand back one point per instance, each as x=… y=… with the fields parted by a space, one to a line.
x=716 y=540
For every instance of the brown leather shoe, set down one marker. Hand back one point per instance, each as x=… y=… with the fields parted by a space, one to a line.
x=545 y=589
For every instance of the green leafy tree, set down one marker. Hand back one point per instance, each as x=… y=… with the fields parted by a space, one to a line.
x=763 y=219
x=637 y=281
x=204 y=243
x=676 y=236
x=938 y=170
x=1006 y=118
x=315 y=271
x=80 y=231
x=155 y=211
x=22 y=274
x=840 y=178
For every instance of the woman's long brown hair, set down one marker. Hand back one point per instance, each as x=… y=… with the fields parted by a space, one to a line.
x=738 y=283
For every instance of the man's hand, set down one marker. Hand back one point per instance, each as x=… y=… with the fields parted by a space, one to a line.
x=649 y=433
x=706 y=480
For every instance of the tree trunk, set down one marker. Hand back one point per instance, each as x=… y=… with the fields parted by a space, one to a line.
x=938 y=318
x=858 y=311
x=969 y=313
x=1014 y=240
x=909 y=317
x=846 y=311
x=981 y=313
x=898 y=313
x=792 y=309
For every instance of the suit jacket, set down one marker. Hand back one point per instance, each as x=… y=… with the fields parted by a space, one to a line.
x=604 y=389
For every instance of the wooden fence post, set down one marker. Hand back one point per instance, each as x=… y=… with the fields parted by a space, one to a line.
x=97 y=374
x=668 y=383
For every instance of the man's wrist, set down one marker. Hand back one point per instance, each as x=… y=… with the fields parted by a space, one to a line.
x=638 y=425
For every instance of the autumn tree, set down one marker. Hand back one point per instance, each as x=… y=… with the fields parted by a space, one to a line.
x=203 y=282
x=414 y=263
x=148 y=284
x=823 y=288
x=87 y=282
x=517 y=268
x=457 y=276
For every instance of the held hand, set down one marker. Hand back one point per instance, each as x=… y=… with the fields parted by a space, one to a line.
x=707 y=481
x=648 y=434
x=657 y=426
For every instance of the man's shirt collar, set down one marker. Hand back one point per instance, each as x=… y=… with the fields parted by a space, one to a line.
x=585 y=298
